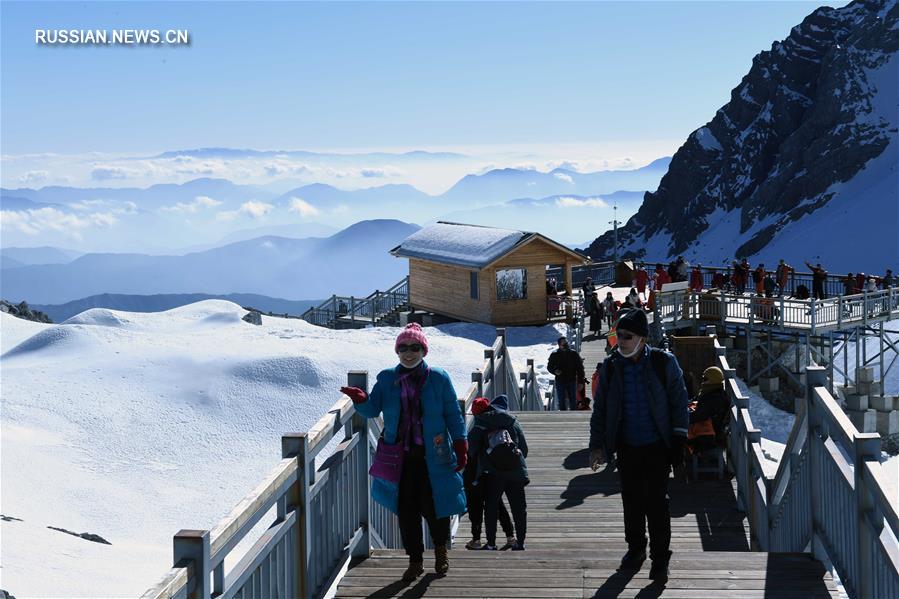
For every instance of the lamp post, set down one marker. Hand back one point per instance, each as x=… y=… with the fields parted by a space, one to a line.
x=614 y=223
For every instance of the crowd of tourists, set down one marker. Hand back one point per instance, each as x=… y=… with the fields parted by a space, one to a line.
x=646 y=416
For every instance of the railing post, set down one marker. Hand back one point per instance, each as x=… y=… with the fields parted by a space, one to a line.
x=352 y=309
x=815 y=376
x=477 y=377
x=867 y=449
x=491 y=373
x=865 y=306
x=193 y=546
x=359 y=378
x=814 y=314
x=723 y=309
x=296 y=444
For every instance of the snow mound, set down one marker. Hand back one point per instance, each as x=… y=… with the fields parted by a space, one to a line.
x=100 y=317
x=14 y=330
x=53 y=339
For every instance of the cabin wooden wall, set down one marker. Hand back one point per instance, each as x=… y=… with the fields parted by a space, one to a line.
x=534 y=256
x=446 y=290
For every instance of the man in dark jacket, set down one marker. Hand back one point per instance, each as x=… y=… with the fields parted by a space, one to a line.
x=568 y=367
x=501 y=478
x=643 y=420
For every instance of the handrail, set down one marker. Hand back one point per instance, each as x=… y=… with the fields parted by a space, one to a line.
x=827 y=467
x=324 y=512
x=368 y=309
x=685 y=307
x=833 y=284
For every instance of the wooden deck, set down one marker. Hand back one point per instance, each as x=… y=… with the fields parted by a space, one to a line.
x=576 y=540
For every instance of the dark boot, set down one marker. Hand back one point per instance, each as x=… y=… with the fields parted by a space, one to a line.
x=659 y=570
x=441 y=560
x=415 y=569
x=633 y=559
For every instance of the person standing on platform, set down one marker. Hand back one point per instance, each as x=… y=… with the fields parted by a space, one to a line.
x=568 y=368
x=819 y=277
x=641 y=277
x=640 y=415
x=424 y=448
x=782 y=276
x=696 y=278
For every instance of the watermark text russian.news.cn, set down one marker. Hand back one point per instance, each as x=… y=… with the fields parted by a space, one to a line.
x=111 y=37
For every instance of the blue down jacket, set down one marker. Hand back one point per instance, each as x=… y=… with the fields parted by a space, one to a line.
x=667 y=402
x=442 y=424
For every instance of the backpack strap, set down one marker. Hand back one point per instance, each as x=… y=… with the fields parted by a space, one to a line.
x=658 y=359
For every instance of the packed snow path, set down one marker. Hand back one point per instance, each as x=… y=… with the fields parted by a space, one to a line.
x=576 y=540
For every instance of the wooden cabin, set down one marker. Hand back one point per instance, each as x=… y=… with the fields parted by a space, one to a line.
x=489 y=275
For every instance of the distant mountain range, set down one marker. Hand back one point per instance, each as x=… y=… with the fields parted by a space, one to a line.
x=161 y=302
x=501 y=185
x=801 y=163
x=563 y=218
x=354 y=261
x=198 y=214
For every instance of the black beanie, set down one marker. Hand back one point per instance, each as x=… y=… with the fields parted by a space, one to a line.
x=634 y=320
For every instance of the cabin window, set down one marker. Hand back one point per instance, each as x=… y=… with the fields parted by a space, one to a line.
x=512 y=284
x=473 y=283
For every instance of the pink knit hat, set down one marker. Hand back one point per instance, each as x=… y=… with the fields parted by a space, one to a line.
x=412 y=334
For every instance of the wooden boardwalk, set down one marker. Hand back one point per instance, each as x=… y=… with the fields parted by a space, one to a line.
x=576 y=539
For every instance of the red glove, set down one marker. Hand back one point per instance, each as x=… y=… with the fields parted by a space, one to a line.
x=355 y=393
x=460 y=446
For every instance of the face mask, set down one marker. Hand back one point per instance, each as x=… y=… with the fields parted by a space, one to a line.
x=417 y=362
x=633 y=353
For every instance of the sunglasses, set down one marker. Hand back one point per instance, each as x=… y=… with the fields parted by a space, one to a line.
x=625 y=336
x=415 y=347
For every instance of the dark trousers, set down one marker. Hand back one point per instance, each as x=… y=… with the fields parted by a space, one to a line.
x=818 y=291
x=416 y=501
x=643 y=472
x=566 y=395
x=477 y=497
x=495 y=487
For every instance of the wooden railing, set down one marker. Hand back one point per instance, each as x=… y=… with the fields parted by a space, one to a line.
x=324 y=514
x=361 y=310
x=828 y=493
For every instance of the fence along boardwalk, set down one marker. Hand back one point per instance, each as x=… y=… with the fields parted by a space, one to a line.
x=828 y=493
x=576 y=540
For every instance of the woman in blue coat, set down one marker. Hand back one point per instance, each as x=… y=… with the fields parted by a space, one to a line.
x=422 y=416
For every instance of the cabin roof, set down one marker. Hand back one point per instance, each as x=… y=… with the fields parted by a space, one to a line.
x=469 y=246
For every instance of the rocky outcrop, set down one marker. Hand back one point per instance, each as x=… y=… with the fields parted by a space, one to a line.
x=22 y=310
x=805 y=117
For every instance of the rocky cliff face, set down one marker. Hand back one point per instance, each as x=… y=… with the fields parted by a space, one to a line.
x=811 y=113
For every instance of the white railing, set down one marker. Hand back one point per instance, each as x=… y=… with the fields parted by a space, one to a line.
x=837 y=313
x=324 y=514
x=828 y=493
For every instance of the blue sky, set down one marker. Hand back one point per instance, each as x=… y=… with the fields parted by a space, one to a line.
x=290 y=75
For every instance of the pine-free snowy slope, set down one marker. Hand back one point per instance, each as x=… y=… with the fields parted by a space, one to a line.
x=135 y=425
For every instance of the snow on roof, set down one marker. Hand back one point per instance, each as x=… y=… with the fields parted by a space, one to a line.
x=463 y=245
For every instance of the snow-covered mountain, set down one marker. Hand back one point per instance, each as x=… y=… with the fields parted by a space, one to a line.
x=133 y=426
x=354 y=261
x=805 y=152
